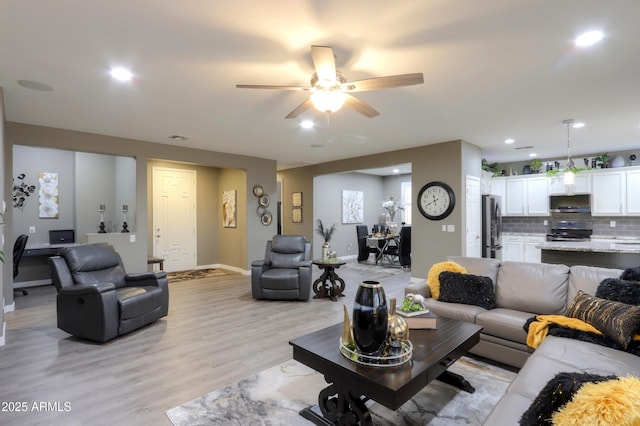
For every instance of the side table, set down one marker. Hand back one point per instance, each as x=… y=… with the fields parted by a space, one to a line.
x=330 y=289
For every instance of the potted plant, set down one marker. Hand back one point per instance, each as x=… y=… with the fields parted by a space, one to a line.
x=602 y=160
x=536 y=165
x=326 y=234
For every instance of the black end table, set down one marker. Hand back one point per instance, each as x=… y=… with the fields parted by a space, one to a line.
x=330 y=289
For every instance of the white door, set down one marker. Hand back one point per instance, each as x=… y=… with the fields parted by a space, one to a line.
x=174 y=218
x=474 y=216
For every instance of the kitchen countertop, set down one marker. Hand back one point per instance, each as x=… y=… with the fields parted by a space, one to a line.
x=624 y=246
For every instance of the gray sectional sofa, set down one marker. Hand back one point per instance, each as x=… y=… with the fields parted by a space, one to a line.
x=524 y=290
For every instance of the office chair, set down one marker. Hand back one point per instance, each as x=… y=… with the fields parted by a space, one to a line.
x=18 y=251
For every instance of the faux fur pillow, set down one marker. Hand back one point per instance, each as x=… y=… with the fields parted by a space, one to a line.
x=631 y=274
x=555 y=394
x=615 y=320
x=468 y=289
x=613 y=402
x=433 y=277
x=619 y=290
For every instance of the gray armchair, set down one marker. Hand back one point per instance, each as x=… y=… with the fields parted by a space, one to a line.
x=285 y=271
x=97 y=300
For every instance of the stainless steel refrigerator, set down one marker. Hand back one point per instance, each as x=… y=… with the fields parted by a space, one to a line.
x=491 y=227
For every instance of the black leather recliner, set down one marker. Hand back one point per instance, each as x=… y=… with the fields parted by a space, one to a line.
x=97 y=300
x=285 y=271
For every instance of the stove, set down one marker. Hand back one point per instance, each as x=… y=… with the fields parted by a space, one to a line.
x=569 y=230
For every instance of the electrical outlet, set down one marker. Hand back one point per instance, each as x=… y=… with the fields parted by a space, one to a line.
x=546 y=222
x=32 y=229
x=612 y=224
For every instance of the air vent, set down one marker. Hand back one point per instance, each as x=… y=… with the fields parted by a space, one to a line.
x=524 y=147
x=178 y=138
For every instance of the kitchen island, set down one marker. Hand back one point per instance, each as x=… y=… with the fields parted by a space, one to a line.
x=620 y=254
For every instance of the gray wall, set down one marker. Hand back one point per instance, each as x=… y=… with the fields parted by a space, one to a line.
x=5 y=276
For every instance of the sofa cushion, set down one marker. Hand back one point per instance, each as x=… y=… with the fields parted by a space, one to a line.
x=433 y=277
x=615 y=320
x=555 y=394
x=532 y=287
x=484 y=267
x=457 y=311
x=504 y=323
x=587 y=279
x=612 y=402
x=468 y=289
x=619 y=290
x=280 y=279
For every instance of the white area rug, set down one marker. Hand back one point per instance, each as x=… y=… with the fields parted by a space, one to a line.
x=275 y=396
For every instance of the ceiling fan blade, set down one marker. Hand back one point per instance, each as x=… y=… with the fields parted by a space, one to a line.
x=300 y=109
x=324 y=62
x=360 y=106
x=384 y=82
x=264 y=86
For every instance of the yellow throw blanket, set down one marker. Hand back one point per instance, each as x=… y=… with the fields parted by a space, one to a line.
x=538 y=329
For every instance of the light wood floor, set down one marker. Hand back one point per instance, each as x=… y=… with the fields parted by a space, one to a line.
x=215 y=334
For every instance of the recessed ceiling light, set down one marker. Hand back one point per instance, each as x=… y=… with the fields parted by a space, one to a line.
x=589 y=38
x=533 y=154
x=509 y=141
x=577 y=125
x=121 y=74
x=307 y=124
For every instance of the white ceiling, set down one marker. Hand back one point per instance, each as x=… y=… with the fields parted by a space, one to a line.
x=493 y=69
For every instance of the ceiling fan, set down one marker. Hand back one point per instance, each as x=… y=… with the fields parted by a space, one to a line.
x=330 y=90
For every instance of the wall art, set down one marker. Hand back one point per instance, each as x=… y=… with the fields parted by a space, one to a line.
x=48 y=195
x=229 y=215
x=296 y=215
x=352 y=206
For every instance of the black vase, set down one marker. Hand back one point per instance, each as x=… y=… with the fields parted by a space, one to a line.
x=370 y=318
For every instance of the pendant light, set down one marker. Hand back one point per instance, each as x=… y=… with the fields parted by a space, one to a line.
x=569 y=174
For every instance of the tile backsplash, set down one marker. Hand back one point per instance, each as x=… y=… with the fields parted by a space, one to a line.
x=625 y=226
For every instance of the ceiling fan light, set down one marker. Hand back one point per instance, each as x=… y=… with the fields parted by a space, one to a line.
x=328 y=101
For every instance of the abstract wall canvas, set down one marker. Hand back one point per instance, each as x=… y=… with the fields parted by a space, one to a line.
x=352 y=206
x=229 y=209
x=48 y=195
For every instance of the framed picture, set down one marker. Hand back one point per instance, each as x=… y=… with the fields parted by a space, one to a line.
x=296 y=199
x=352 y=206
x=296 y=215
x=229 y=209
x=48 y=195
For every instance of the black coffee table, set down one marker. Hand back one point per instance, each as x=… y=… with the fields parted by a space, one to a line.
x=352 y=384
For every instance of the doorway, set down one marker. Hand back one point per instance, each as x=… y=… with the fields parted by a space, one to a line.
x=174 y=218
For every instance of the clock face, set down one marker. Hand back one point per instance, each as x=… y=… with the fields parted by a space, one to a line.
x=436 y=200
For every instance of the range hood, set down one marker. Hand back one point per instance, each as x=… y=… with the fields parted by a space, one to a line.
x=578 y=203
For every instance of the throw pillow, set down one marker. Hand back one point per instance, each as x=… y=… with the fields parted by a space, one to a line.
x=614 y=402
x=631 y=274
x=433 y=277
x=555 y=394
x=619 y=290
x=468 y=289
x=615 y=320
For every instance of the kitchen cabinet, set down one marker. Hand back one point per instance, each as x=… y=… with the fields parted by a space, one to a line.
x=582 y=185
x=633 y=192
x=522 y=248
x=608 y=197
x=499 y=188
x=527 y=196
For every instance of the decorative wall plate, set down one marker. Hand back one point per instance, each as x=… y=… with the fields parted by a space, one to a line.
x=257 y=190
x=266 y=218
x=265 y=200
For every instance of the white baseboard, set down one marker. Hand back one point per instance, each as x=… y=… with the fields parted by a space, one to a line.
x=4 y=333
x=10 y=308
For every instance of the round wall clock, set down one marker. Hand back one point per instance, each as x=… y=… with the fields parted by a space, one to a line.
x=436 y=200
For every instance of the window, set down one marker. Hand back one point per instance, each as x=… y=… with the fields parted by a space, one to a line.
x=405 y=197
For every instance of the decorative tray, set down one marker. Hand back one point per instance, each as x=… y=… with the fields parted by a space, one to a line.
x=378 y=361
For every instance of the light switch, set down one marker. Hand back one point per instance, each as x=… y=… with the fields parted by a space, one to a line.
x=546 y=222
x=451 y=228
x=32 y=229
x=444 y=228
x=132 y=238
x=612 y=224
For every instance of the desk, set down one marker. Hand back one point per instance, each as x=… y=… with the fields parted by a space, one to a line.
x=45 y=249
x=34 y=269
x=320 y=286
x=374 y=242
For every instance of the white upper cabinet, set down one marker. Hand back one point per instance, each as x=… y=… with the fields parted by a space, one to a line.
x=582 y=185
x=608 y=195
x=499 y=188
x=527 y=196
x=633 y=192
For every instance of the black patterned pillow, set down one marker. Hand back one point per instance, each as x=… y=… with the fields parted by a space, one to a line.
x=615 y=320
x=555 y=394
x=619 y=290
x=468 y=289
